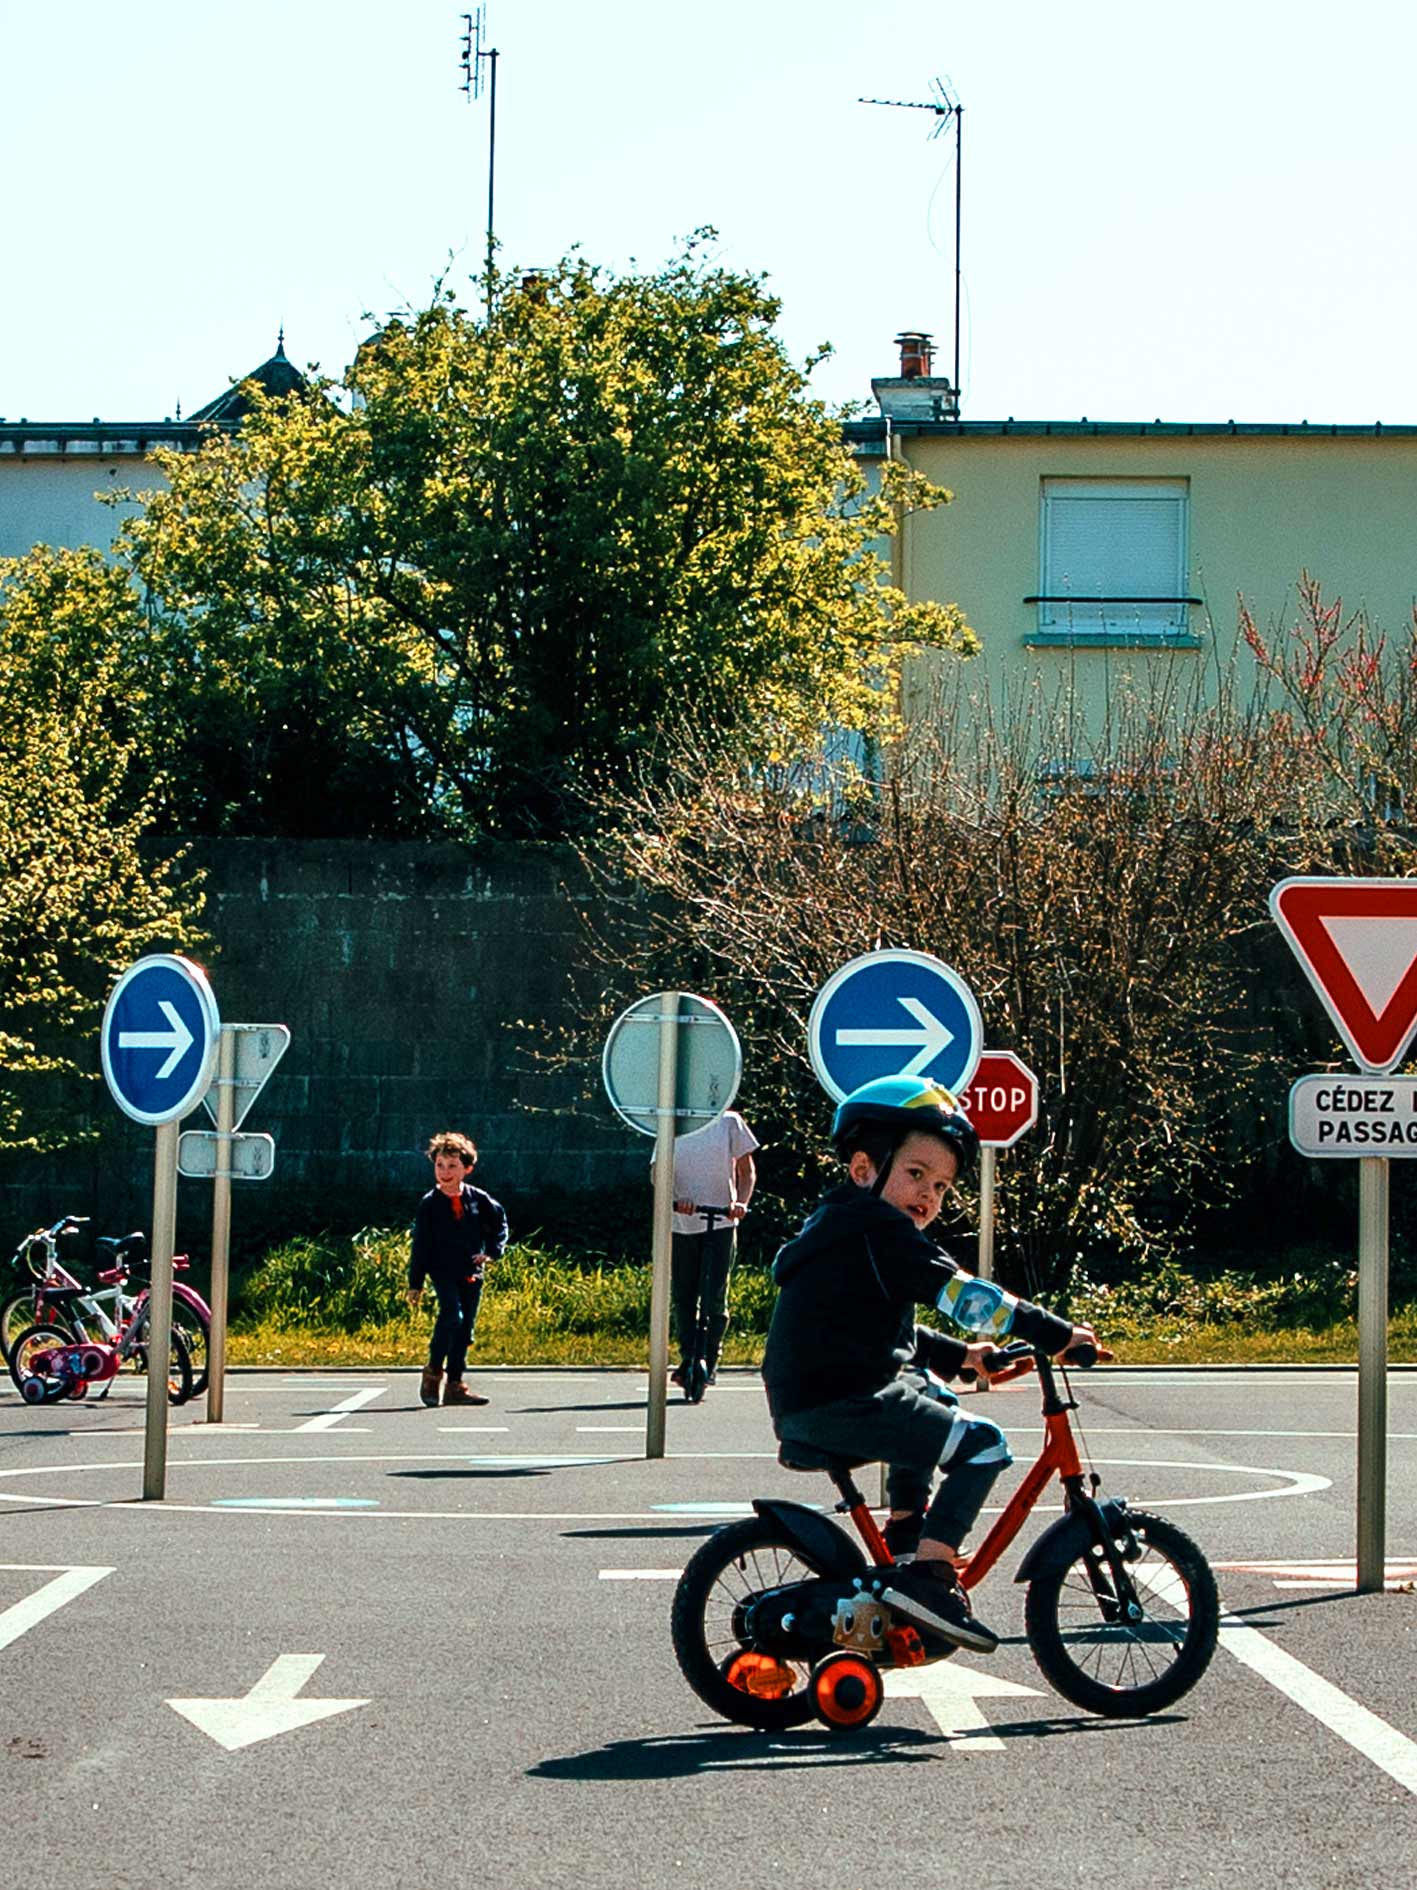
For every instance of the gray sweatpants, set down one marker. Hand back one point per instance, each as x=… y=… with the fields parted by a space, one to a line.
x=913 y=1433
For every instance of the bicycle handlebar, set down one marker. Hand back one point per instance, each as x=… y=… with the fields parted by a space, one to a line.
x=1012 y=1361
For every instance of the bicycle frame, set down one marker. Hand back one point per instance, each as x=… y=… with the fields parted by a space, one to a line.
x=1058 y=1457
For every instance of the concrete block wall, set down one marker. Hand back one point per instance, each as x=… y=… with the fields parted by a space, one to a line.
x=402 y=972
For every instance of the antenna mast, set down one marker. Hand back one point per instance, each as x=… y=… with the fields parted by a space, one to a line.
x=474 y=52
x=945 y=107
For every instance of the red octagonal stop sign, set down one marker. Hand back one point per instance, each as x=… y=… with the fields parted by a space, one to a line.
x=1002 y=1098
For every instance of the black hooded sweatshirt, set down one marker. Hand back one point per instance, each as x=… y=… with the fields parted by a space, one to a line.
x=844 y=1322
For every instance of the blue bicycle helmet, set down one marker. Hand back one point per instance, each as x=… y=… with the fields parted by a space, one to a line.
x=904 y=1105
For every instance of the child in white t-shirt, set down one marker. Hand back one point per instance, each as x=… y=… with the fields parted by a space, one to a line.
x=714 y=1178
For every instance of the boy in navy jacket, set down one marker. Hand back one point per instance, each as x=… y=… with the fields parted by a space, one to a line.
x=457 y=1229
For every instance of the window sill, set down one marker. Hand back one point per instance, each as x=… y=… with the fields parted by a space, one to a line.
x=1113 y=640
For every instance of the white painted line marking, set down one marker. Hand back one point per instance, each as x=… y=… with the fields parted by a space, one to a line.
x=640 y=1574
x=1388 y=1749
x=950 y=1689
x=330 y=1419
x=67 y=1586
x=1391 y=1751
x=269 y=1708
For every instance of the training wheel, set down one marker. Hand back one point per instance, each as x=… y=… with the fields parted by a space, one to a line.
x=34 y=1391
x=847 y=1691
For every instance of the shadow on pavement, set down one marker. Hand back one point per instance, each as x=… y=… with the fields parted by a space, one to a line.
x=554 y=1410
x=501 y=1470
x=735 y=1749
x=739 y=1750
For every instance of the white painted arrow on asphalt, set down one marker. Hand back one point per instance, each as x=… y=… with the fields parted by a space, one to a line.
x=176 y=1041
x=269 y=1708
x=950 y=1691
x=932 y=1036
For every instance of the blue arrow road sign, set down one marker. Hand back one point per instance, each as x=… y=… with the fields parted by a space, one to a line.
x=159 y=1040
x=894 y=1013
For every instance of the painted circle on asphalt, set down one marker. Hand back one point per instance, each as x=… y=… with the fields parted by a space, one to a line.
x=1286 y=1483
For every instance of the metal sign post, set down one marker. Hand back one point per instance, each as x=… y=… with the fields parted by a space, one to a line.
x=1372 y=1372
x=667 y=1084
x=663 y=1246
x=987 y=1159
x=221 y=1227
x=160 y=1311
x=246 y=1056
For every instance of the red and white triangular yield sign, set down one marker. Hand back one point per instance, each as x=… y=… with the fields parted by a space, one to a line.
x=1357 y=942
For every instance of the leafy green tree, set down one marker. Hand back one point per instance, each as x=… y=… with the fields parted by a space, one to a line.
x=531 y=543
x=79 y=899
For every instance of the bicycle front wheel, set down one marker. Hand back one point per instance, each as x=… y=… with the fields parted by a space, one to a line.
x=735 y=1564
x=1105 y=1662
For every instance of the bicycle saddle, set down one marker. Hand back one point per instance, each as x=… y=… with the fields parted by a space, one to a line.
x=116 y=1247
x=794 y=1456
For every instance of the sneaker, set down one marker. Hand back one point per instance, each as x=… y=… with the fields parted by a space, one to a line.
x=937 y=1602
x=432 y=1384
x=902 y=1534
x=676 y=1377
x=456 y=1392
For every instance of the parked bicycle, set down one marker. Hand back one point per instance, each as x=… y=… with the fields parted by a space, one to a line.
x=101 y=1314
x=781 y=1616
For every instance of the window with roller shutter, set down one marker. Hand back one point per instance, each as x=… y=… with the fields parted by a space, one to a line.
x=1114 y=558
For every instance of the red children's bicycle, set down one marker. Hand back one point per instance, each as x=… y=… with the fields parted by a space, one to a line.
x=781 y=1617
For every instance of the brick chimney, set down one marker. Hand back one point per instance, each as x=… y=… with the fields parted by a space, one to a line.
x=916 y=393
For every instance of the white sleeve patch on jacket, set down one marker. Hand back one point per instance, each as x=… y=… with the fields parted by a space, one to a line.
x=977 y=1305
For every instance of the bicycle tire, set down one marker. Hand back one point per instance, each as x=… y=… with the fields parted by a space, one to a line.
x=17 y=1313
x=1122 y=1669
x=197 y=1334
x=36 y=1338
x=736 y=1562
x=179 y=1366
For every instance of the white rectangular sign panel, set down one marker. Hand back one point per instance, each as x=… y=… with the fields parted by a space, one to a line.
x=1351 y=1116
x=253 y=1157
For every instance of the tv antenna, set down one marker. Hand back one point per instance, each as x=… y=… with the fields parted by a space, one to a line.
x=945 y=106
x=475 y=54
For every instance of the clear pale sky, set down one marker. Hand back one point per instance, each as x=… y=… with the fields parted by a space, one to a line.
x=1192 y=213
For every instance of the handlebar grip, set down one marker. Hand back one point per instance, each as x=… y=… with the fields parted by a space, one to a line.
x=1083 y=1356
x=1000 y=1360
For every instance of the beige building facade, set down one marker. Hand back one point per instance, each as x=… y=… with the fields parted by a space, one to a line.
x=1083 y=551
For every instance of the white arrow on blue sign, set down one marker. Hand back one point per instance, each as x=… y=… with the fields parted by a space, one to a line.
x=159 y=1038
x=894 y=1013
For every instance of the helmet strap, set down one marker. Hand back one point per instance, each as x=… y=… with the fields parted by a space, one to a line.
x=883 y=1172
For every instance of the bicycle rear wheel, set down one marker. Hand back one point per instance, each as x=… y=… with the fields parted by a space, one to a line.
x=179 y=1366
x=196 y=1335
x=28 y=1349
x=737 y=1563
x=1094 y=1654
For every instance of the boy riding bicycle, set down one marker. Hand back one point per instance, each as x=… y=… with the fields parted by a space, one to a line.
x=848 y=1370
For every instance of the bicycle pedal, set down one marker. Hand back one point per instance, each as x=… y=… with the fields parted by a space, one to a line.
x=907 y=1648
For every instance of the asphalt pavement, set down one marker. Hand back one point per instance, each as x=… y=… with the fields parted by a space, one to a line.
x=359 y=1642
